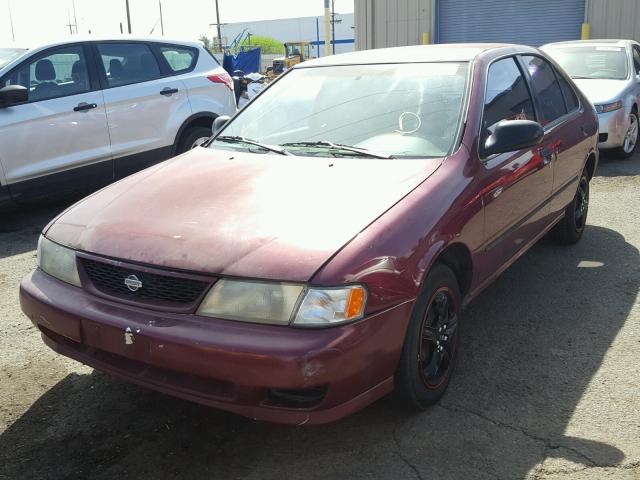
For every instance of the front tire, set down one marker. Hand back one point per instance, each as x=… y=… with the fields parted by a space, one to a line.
x=570 y=229
x=630 y=144
x=431 y=344
x=192 y=138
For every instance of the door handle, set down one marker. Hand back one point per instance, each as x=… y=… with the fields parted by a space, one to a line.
x=168 y=91
x=81 y=107
x=547 y=155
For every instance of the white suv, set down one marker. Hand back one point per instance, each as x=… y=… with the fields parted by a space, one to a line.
x=85 y=113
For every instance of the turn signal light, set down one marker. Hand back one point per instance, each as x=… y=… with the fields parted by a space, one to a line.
x=355 y=302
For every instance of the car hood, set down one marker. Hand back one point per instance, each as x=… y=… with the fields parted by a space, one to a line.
x=600 y=91
x=240 y=214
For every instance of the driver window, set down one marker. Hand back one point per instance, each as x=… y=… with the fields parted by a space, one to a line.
x=63 y=72
x=507 y=96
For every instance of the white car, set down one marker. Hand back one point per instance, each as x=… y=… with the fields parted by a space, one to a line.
x=85 y=113
x=608 y=72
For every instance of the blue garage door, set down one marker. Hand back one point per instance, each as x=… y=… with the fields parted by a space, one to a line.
x=530 y=22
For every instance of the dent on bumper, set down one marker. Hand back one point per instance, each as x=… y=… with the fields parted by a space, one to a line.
x=224 y=364
x=615 y=125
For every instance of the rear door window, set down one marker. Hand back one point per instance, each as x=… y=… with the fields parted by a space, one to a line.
x=636 y=59
x=569 y=94
x=507 y=96
x=127 y=63
x=179 y=59
x=546 y=88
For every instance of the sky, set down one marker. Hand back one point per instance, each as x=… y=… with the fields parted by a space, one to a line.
x=37 y=21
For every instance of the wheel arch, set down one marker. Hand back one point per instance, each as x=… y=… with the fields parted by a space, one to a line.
x=591 y=164
x=201 y=119
x=457 y=257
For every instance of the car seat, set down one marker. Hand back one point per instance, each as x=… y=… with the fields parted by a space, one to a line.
x=116 y=71
x=46 y=76
x=79 y=76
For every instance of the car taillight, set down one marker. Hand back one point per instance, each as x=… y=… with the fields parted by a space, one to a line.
x=222 y=78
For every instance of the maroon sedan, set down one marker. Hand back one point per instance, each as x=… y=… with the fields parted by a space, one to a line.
x=318 y=251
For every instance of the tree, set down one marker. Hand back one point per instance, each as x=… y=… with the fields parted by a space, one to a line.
x=267 y=44
x=207 y=43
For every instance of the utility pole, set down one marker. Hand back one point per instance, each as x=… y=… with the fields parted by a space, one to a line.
x=128 y=17
x=13 y=33
x=161 y=22
x=70 y=25
x=327 y=28
x=333 y=26
x=75 y=18
x=218 y=26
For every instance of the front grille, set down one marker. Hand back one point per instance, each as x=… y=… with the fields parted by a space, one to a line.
x=603 y=137
x=110 y=279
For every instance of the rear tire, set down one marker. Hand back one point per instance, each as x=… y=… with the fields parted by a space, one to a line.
x=431 y=344
x=631 y=137
x=570 y=229
x=193 y=137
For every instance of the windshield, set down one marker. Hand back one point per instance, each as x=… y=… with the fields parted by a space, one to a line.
x=592 y=62
x=402 y=110
x=8 y=55
x=293 y=49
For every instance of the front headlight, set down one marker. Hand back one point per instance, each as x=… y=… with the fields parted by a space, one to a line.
x=283 y=303
x=58 y=261
x=608 y=107
x=249 y=301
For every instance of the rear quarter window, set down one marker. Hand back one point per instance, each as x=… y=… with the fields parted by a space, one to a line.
x=179 y=59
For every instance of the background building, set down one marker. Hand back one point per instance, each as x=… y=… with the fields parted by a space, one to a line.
x=295 y=29
x=381 y=23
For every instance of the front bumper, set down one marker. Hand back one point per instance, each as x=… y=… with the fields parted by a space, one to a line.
x=614 y=126
x=229 y=365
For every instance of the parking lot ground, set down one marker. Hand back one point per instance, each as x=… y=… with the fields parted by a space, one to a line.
x=547 y=385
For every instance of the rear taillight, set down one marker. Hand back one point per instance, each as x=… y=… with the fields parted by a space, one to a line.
x=222 y=78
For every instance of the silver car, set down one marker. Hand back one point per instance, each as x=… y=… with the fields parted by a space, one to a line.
x=79 y=114
x=608 y=72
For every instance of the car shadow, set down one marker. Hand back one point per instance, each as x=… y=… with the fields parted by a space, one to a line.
x=531 y=345
x=21 y=224
x=612 y=166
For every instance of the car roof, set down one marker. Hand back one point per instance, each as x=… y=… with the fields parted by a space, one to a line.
x=605 y=42
x=122 y=38
x=453 y=52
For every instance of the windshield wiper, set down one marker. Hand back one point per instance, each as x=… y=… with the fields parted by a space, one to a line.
x=248 y=141
x=337 y=146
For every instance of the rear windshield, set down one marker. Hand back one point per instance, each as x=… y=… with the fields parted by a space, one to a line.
x=8 y=55
x=592 y=62
x=401 y=110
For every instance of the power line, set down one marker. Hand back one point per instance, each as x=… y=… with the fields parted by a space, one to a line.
x=13 y=33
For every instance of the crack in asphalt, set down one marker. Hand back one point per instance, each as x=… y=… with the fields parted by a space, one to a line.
x=402 y=457
x=549 y=443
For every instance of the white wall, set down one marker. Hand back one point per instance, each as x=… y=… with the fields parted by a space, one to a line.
x=295 y=29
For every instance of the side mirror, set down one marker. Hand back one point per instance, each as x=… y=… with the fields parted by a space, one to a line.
x=511 y=135
x=13 y=94
x=220 y=122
